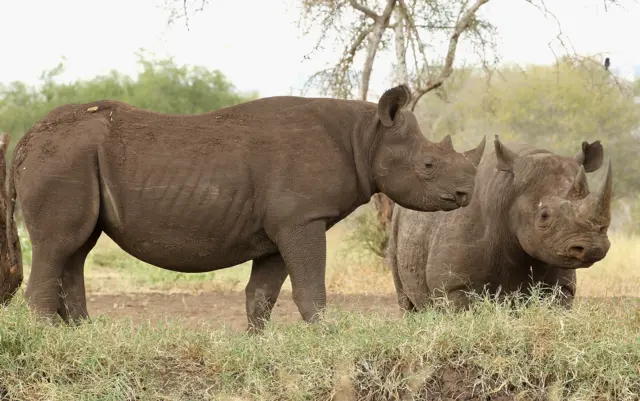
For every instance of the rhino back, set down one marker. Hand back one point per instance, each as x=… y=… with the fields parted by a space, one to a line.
x=220 y=180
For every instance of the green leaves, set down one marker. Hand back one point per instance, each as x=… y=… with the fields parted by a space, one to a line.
x=162 y=86
x=554 y=107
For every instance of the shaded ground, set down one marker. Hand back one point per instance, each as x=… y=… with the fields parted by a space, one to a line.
x=220 y=309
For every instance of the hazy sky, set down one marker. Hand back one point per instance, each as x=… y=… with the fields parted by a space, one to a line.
x=257 y=43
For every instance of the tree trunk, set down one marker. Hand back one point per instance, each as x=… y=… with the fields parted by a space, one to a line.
x=384 y=205
x=381 y=24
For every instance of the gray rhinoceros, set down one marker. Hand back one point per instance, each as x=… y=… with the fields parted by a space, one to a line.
x=259 y=181
x=532 y=219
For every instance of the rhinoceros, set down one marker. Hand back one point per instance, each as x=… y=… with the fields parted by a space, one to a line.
x=261 y=181
x=532 y=222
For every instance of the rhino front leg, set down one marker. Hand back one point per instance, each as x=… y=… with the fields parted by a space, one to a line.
x=404 y=302
x=268 y=273
x=552 y=277
x=458 y=299
x=303 y=249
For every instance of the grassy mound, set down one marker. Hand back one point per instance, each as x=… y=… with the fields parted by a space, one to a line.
x=529 y=352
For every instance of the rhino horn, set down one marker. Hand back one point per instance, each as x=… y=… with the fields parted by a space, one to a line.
x=474 y=155
x=580 y=185
x=446 y=144
x=599 y=202
x=605 y=192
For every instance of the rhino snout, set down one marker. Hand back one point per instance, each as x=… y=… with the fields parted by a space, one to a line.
x=588 y=253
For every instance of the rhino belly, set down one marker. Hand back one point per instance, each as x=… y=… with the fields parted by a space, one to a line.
x=185 y=224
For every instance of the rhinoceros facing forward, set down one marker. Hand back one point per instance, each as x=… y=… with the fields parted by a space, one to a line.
x=259 y=181
x=531 y=220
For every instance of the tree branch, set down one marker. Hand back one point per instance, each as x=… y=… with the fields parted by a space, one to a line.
x=364 y=9
x=379 y=27
x=413 y=28
x=358 y=41
x=402 y=72
x=463 y=24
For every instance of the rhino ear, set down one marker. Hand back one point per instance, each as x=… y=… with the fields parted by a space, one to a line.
x=590 y=156
x=505 y=157
x=447 y=144
x=391 y=102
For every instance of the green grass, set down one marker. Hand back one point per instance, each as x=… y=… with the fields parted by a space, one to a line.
x=535 y=352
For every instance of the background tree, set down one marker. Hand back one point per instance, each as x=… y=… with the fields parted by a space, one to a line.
x=161 y=86
x=408 y=23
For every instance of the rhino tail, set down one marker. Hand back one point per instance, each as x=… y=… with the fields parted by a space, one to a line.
x=15 y=264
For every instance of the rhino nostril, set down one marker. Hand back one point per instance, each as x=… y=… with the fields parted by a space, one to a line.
x=577 y=249
x=462 y=197
x=587 y=254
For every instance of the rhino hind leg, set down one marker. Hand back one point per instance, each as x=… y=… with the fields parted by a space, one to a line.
x=303 y=249
x=268 y=273
x=60 y=205
x=72 y=306
x=56 y=283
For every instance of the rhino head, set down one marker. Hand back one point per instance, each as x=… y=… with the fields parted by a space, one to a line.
x=414 y=172
x=555 y=217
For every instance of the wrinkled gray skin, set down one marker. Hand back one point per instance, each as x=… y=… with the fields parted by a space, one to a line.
x=532 y=219
x=259 y=181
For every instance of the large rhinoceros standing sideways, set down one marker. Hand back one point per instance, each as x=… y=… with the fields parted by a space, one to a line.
x=259 y=181
x=531 y=220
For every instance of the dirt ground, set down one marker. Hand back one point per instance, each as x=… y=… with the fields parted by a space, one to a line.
x=218 y=309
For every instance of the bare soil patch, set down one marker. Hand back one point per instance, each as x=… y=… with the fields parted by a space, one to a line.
x=222 y=308
x=227 y=308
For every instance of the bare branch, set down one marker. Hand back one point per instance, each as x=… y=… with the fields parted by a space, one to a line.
x=433 y=26
x=402 y=72
x=351 y=52
x=379 y=27
x=414 y=32
x=186 y=14
x=339 y=80
x=463 y=23
x=364 y=9
x=181 y=9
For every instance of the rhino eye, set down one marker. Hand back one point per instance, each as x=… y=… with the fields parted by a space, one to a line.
x=544 y=215
x=430 y=163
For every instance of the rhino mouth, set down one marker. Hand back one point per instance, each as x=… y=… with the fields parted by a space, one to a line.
x=452 y=200
x=577 y=264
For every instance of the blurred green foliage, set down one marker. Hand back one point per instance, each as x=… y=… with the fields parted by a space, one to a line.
x=161 y=86
x=555 y=107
